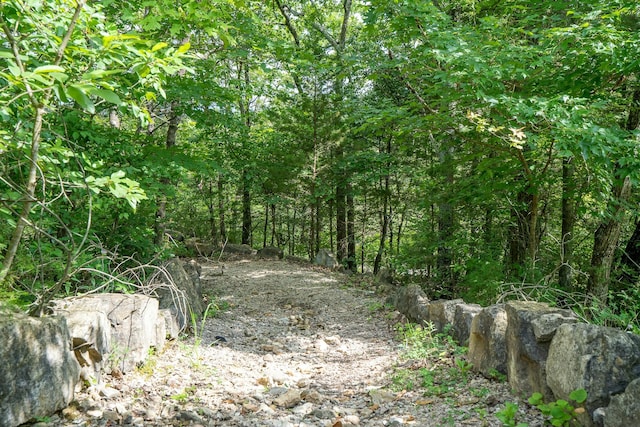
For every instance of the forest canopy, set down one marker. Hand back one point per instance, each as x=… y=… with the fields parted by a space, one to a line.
x=483 y=148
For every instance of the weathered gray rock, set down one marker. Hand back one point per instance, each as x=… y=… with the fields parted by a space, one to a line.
x=270 y=252
x=487 y=345
x=240 y=251
x=462 y=318
x=160 y=336
x=92 y=326
x=325 y=258
x=171 y=327
x=411 y=301
x=132 y=319
x=624 y=409
x=180 y=294
x=530 y=326
x=39 y=371
x=603 y=361
x=194 y=270
x=385 y=275
x=90 y=331
x=442 y=312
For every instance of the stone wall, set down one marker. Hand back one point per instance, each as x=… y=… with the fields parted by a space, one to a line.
x=541 y=349
x=43 y=359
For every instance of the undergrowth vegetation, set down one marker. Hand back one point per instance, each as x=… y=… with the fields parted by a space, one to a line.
x=435 y=366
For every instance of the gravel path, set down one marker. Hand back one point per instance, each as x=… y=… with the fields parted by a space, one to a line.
x=297 y=346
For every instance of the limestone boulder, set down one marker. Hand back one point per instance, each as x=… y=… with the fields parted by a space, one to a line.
x=325 y=258
x=603 y=361
x=90 y=332
x=412 y=302
x=238 y=251
x=624 y=409
x=180 y=293
x=462 y=318
x=270 y=252
x=442 y=313
x=487 y=341
x=530 y=328
x=171 y=327
x=39 y=371
x=194 y=270
x=132 y=320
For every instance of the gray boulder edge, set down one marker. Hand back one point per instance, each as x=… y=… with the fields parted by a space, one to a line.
x=602 y=360
x=39 y=371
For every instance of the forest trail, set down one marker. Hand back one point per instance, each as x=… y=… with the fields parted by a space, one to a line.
x=301 y=348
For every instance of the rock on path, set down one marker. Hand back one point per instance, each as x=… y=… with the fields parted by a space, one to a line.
x=296 y=347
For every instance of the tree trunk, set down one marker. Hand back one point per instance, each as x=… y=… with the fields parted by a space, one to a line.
x=351 y=230
x=266 y=225
x=523 y=236
x=444 y=259
x=565 y=274
x=630 y=261
x=221 y=208
x=161 y=211
x=384 y=227
x=213 y=230
x=605 y=243
x=246 y=209
x=607 y=234
x=385 y=208
x=273 y=225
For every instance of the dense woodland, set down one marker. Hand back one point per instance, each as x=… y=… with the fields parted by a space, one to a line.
x=488 y=148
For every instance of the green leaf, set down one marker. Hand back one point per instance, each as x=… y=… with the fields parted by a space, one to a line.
x=579 y=395
x=78 y=94
x=185 y=47
x=97 y=74
x=107 y=95
x=158 y=46
x=49 y=69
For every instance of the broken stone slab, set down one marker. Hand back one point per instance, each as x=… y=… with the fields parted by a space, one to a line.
x=487 y=344
x=240 y=251
x=624 y=409
x=270 y=252
x=178 y=292
x=90 y=331
x=442 y=313
x=411 y=301
x=601 y=360
x=325 y=258
x=529 y=326
x=39 y=371
x=132 y=319
x=462 y=318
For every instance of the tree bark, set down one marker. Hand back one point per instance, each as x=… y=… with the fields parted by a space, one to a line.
x=213 y=230
x=221 y=208
x=246 y=209
x=565 y=274
x=444 y=258
x=384 y=230
x=630 y=261
x=351 y=230
x=605 y=243
x=341 y=222
x=607 y=234
x=170 y=141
